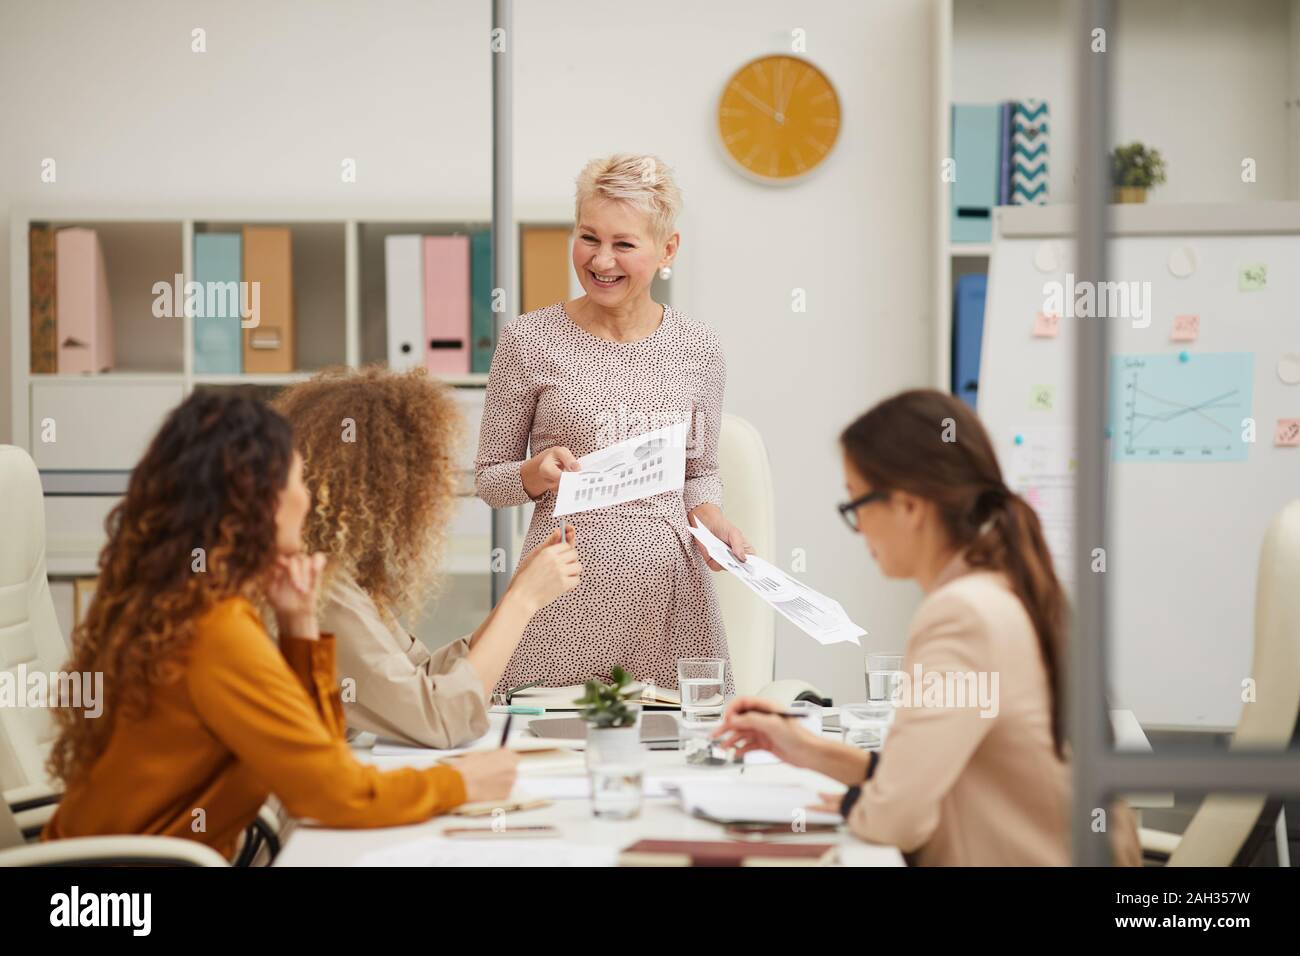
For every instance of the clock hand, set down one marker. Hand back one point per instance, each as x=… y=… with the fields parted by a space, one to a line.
x=755 y=100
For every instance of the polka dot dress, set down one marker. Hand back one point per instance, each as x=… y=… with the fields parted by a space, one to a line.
x=646 y=596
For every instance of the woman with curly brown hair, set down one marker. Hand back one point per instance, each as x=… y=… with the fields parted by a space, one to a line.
x=204 y=717
x=379 y=451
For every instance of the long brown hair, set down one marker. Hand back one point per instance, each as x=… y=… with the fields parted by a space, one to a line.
x=210 y=479
x=932 y=445
x=379 y=453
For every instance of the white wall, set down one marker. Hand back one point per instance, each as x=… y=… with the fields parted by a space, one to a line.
x=287 y=90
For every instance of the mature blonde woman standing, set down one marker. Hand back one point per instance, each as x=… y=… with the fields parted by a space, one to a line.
x=578 y=376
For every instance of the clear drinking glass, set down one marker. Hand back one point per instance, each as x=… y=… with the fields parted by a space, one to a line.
x=698 y=746
x=701 y=681
x=884 y=673
x=866 y=726
x=615 y=761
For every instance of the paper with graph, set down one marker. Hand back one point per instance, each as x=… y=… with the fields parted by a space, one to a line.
x=1181 y=408
x=648 y=464
x=818 y=616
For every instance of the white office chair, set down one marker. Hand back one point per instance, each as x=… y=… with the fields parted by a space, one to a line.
x=29 y=635
x=1228 y=830
x=100 y=850
x=748 y=504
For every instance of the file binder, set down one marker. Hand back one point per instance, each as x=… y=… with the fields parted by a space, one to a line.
x=217 y=342
x=268 y=260
x=481 y=318
x=44 y=322
x=968 y=336
x=544 y=261
x=85 y=320
x=404 y=283
x=446 y=304
x=975 y=191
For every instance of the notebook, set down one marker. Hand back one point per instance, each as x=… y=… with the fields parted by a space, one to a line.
x=726 y=853
x=655 y=728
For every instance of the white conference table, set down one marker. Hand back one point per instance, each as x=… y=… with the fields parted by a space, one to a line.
x=661 y=817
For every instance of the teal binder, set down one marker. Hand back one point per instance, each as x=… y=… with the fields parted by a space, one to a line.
x=975 y=149
x=480 y=289
x=218 y=349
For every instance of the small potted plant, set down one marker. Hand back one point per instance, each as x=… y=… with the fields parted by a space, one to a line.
x=1134 y=169
x=615 y=758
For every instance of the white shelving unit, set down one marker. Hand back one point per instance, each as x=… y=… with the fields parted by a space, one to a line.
x=337 y=322
x=1205 y=82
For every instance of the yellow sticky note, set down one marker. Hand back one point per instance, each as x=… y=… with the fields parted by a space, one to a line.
x=1042 y=398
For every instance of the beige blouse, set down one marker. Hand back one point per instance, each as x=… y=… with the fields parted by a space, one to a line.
x=401 y=689
x=976 y=784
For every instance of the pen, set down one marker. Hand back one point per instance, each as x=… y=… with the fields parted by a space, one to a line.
x=774 y=713
x=505 y=733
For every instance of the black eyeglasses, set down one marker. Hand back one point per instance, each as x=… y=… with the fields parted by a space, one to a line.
x=849 y=510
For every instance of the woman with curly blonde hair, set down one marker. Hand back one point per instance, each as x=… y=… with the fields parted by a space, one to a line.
x=204 y=717
x=379 y=451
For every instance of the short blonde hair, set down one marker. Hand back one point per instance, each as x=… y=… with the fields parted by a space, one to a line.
x=643 y=182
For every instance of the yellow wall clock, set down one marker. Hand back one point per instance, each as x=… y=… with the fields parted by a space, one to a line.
x=778 y=118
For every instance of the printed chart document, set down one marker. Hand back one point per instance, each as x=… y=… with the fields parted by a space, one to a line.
x=639 y=467
x=818 y=616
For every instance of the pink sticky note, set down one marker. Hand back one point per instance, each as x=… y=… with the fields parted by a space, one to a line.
x=1186 y=328
x=1288 y=433
x=1046 y=325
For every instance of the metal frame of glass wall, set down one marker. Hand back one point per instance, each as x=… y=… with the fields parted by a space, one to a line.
x=1100 y=773
x=501 y=49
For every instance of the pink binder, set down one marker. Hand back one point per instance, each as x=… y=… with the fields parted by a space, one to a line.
x=446 y=304
x=81 y=298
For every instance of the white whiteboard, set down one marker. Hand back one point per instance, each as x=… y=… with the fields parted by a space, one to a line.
x=1184 y=535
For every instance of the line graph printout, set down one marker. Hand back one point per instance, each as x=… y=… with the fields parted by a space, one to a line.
x=820 y=617
x=1167 y=409
x=637 y=467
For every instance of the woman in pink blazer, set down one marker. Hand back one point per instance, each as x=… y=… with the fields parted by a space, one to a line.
x=974 y=769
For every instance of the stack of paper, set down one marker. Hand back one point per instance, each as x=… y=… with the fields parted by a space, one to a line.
x=738 y=802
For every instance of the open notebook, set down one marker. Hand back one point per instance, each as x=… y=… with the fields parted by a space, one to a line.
x=563 y=698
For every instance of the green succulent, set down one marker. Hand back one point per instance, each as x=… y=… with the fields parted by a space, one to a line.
x=1136 y=165
x=607 y=705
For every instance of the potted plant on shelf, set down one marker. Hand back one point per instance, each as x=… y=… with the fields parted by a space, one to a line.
x=1134 y=169
x=614 y=757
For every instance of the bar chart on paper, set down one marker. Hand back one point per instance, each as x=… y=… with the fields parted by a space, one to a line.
x=1181 y=408
x=637 y=467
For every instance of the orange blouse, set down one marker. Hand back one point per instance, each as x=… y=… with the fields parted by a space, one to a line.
x=244 y=720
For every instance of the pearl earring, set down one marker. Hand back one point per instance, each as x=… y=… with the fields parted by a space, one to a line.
x=666 y=273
